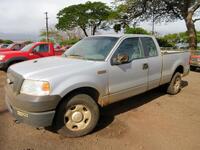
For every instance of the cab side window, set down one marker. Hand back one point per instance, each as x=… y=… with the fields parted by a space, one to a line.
x=42 y=48
x=16 y=47
x=130 y=47
x=149 y=47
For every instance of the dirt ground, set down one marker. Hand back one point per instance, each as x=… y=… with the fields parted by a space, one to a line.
x=151 y=121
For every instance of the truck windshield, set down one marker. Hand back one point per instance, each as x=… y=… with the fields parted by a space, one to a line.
x=92 y=48
x=27 y=47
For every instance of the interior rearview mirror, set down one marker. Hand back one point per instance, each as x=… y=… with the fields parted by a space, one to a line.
x=120 y=59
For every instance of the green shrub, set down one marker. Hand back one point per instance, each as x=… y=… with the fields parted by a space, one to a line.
x=137 y=30
x=69 y=42
x=164 y=43
x=7 y=41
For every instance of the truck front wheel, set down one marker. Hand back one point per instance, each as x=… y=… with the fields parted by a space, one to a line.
x=175 y=85
x=77 y=116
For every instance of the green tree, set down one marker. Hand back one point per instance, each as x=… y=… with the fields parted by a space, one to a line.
x=181 y=37
x=166 y=10
x=54 y=35
x=120 y=17
x=92 y=15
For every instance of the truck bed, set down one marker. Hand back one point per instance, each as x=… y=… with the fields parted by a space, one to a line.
x=170 y=60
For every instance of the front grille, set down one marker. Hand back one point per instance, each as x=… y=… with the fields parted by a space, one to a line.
x=15 y=81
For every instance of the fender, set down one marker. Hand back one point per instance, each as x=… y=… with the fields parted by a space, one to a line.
x=16 y=59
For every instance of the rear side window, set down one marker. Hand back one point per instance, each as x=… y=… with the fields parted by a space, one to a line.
x=42 y=48
x=149 y=46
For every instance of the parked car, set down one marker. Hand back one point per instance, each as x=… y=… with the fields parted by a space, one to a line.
x=66 y=92
x=31 y=51
x=195 y=60
x=13 y=47
x=4 y=45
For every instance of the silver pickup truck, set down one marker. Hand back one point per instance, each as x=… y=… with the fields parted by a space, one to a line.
x=67 y=92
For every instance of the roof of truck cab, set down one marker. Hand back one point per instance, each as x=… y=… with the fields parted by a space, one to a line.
x=42 y=42
x=123 y=35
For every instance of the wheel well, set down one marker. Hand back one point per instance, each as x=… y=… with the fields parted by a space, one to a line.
x=86 y=90
x=179 y=69
x=14 y=62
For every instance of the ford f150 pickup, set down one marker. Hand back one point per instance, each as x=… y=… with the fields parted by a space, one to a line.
x=13 y=47
x=31 y=51
x=67 y=92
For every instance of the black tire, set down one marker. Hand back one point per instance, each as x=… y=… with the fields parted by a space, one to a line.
x=193 y=68
x=174 y=86
x=77 y=107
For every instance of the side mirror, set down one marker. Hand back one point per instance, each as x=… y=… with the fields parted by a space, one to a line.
x=120 y=59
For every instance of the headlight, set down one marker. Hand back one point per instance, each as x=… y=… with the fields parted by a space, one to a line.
x=37 y=88
x=2 y=57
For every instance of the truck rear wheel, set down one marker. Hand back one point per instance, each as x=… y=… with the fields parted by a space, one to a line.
x=174 y=86
x=77 y=116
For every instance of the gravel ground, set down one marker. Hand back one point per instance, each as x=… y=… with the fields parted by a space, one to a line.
x=151 y=121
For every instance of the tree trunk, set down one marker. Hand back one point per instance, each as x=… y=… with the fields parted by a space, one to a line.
x=84 y=31
x=191 y=31
x=94 y=30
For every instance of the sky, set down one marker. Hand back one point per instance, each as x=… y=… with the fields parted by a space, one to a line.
x=23 y=19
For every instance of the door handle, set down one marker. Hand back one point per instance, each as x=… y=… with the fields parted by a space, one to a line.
x=145 y=66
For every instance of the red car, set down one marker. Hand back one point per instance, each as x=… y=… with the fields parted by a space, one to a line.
x=13 y=47
x=31 y=51
x=195 y=60
x=4 y=45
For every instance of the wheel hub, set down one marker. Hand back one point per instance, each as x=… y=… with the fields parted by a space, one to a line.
x=177 y=83
x=77 y=117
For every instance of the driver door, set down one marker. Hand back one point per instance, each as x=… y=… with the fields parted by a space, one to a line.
x=39 y=51
x=128 y=79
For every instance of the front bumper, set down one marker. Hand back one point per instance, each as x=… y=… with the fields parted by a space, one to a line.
x=37 y=111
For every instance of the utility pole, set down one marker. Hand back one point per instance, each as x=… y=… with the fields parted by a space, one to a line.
x=153 y=24
x=153 y=19
x=47 y=26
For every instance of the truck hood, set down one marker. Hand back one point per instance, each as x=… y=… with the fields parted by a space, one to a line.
x=5 y=49
x=7 y=52
x=51 y=67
